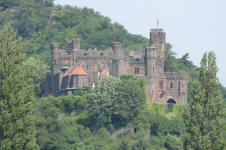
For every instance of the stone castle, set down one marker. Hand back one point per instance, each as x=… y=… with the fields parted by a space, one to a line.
x=74 y=68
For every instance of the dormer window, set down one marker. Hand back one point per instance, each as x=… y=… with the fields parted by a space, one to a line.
x=101 y=54
x=85 y=54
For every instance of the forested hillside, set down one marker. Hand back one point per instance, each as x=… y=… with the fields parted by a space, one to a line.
x=104 y=118
x=40 y=23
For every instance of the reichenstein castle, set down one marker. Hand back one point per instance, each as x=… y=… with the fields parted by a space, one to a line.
x=74 y=68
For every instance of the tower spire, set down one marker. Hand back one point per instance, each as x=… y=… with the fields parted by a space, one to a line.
x=157 y=23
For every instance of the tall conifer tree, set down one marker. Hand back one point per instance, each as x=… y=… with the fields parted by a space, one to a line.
x=205 y=115
x=17 y=129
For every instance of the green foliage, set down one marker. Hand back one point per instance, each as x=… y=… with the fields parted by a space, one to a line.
x=223 y=91
x=100 y=101
x=143 y=119
x=157 y=142
x=49 y=129
x=172 y=143
x=6 y=4
x=160 y=126
x=141 y=143
x=38 y=70
x=74 y=103
x=109 y=103
x=170 y=60
x=63 y=124
x=17 y=130
x=130 y=99
x=205 y=115
x=40 y=23
x=124 y=144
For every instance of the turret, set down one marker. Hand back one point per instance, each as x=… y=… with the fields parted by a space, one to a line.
x=116 y=47
x=72 y=46
x=150 y=62
x=54 y=51
x=116 y=69
x=76 y=44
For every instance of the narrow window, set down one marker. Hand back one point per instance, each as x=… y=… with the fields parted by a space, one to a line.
x=136 y=70
x=171 y=85
x=161 y=84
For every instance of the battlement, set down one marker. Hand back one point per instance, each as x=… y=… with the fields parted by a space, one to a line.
x=176 y=75
x=157 y=36
x=73 y=45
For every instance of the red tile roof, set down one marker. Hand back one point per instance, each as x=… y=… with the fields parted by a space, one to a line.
x=79 y=71
x=104 y=72
x=68 y=71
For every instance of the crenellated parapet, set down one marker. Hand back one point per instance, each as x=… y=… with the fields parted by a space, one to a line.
x=157 y=36
x=176 y=75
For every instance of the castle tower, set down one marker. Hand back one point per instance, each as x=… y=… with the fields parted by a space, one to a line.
x=116 y=47
x=157 y=41
x=73 y=46
x=157 y=36
x=116 y=67
x=154 y=63
x=54 y=51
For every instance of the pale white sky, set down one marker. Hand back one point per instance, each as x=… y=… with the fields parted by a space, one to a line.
x=192 y=26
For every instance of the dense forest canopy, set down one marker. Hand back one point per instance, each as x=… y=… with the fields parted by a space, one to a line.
x=96 y=119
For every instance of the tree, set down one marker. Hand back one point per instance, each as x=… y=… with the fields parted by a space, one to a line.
x=49 y=128
x=169 y=62
x=38 y=70
x=130 y=99
x=5 y=4
x=100 y=101
x=17 y=129
x=205 y=113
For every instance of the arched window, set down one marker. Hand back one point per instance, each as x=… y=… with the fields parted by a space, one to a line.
x=171 y=85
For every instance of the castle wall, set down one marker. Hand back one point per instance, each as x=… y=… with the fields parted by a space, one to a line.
x=174 y=86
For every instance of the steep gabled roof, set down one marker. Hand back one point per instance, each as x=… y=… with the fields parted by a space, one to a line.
x=79 y=71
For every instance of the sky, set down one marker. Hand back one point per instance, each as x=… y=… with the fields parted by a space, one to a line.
x=191 y=26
